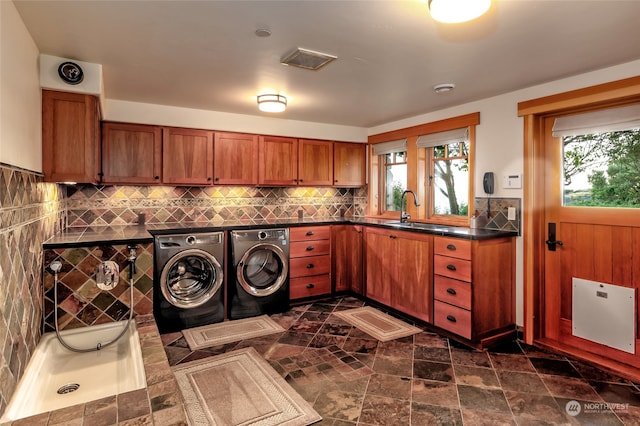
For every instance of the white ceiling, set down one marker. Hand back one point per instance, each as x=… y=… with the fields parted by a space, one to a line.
x=205 y=55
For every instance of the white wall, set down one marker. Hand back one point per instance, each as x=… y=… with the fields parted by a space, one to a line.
x=500 y=136
x=20 y=99
x=135 y=112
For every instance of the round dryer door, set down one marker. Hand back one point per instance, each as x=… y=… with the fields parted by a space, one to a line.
x=191 y=278
x=263 y=269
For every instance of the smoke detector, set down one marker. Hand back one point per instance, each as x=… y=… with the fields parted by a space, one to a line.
x=307 y=59
x=442 y=88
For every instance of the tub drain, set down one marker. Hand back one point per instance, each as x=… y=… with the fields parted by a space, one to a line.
x=68 y=388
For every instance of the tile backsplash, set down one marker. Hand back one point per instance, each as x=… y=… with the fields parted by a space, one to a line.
x=80 y=302
x=492 y=213
x=30 y=212
x=89 y=205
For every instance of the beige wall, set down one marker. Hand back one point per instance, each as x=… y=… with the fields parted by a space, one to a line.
x=20 y=110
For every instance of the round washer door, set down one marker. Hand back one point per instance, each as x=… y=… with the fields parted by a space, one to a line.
x=190 y=278
x=263 y=269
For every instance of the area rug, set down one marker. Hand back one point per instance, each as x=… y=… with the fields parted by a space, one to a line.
x=377 y=324
x=240 y=388
x=230 y=331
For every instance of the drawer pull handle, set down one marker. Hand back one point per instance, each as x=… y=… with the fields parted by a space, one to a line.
x=451 y=267
x=310 y=265
x=451 y=318
x=451 y=247
x=310 y=233
x=310 y=285
x=392 y=237
x=309 y=248
x=451 y=291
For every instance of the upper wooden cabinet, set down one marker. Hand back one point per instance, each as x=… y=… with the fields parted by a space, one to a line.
x=187 y=156
x=349 y=164
x=131 y=153
x=278 y=161
x=235 y=159
x=315 y=163
x=70 y=137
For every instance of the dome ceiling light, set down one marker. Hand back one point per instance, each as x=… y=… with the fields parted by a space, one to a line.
x=272 y=103
x=456 y=11
x=444 y=87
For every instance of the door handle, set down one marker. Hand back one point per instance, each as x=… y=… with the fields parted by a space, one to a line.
x=551 y=237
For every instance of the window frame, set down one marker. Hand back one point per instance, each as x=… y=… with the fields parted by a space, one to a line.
x=417 y=169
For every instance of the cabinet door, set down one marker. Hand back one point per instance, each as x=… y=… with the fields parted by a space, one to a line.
x=380 y=261
x=315 y=163
x=131 y=153
x=187 y=156
x=349 y=164
x=414 y=291
x=235 y=159
x=70 y=137
x=278 y=161
x=347 y=257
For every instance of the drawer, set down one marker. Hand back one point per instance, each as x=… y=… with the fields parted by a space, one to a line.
x=310 y=248
x=306 y=233
x=454 y=247
x=309 y=286
x=312 y=265
x=452 y=291
x=452 y=267
x=452 y=318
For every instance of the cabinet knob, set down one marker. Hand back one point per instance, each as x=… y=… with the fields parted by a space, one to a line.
x=310 y=233
x=451 y=247
x=156 y=177
x=451 y=318
x=392 y=237
x=209 y=179
x=310 y=285
x=336 y=181
x=309 y=248
x=217 y=179
x=451 y=267
x=300 y=180
x=310 y=265
x=295 y=180
x=451 y=291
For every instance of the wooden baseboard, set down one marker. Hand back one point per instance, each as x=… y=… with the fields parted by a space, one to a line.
x=603 y=363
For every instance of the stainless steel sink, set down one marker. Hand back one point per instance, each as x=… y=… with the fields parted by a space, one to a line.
x=418 y=225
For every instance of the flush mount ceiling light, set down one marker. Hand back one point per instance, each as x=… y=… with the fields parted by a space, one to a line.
x=455 y=11
x=307 y=59
x=272 y=103
x=444 y=87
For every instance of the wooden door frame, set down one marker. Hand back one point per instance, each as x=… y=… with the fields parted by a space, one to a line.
x=534 y=233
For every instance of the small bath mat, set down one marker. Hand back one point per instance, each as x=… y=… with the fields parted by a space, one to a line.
x=240 y=388
x=377 y=324
x=230 y=331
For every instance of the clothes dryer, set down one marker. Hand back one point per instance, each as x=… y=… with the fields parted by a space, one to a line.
x=188 y=280
x=259 y=278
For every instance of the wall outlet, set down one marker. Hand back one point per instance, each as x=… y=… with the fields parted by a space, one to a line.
x=511 y=213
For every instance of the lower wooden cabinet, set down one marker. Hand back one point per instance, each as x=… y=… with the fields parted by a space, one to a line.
x=310 y=261
x=399 y=270
x=474 y=288
x=346 y=242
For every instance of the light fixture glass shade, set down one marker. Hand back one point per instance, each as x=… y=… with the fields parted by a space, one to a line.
x=455 y=11
x=272 y=103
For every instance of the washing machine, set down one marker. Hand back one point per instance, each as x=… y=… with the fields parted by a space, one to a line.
x=188 y=280
x=259 y=279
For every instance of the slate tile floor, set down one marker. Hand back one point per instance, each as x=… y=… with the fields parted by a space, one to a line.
x=426 y=379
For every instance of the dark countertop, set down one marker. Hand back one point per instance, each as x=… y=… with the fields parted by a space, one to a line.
x=143 y=234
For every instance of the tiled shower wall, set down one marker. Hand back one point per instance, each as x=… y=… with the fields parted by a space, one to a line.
x=30 y=212
x=122 y=205
x=80 y=302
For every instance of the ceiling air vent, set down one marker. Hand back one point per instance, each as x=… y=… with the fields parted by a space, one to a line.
x=307 y=59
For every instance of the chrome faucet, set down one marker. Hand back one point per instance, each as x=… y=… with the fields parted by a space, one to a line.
x=404 y=216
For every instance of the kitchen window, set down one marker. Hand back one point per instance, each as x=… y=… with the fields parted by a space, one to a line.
x=447 y=182
x=435 y=160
